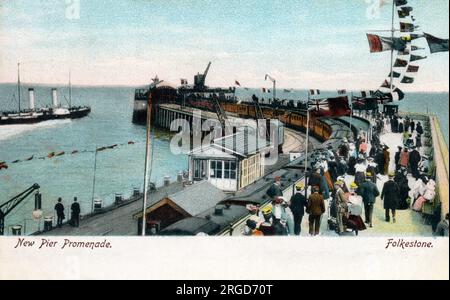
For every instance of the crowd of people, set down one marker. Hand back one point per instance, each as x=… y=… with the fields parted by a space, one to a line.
x=363 y=162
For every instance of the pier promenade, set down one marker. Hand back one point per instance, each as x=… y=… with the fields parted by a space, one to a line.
x=120 y=221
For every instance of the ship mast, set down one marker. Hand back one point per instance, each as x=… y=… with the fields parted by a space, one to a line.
x=18 y=82
x=392 y=50
x=70 y=90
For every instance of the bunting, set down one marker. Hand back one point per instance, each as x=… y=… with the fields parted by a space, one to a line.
x=412 y=69
x=380 y=44
x=401 y=2
x=407 y=80
x=394 y=74
x=53 y=155
x=436 y=44
x=407 y=27
x=404 y=12
x=400 y=63
x=417 y=57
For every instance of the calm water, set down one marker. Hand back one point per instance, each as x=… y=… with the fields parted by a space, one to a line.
x=118 y=170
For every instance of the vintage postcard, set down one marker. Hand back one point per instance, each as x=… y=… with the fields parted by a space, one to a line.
x=205 y=137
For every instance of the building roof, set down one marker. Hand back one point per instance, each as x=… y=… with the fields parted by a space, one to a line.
x=244 y=143
x=198 y=198
x=228 y=215
x=211 y=152
x=191 y=226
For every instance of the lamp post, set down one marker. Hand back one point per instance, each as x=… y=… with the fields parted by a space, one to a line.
x=307 y=144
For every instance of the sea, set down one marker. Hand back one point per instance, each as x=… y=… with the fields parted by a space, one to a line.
x=79 y=172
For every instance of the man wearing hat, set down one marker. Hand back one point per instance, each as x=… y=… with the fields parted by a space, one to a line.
x=387 y=158
x=414 y=161
x=341 y=205
x=397 y=158
x=298 y=205
x=275 y=190
x=390 y=197
x=369 y=193
x=316 y=208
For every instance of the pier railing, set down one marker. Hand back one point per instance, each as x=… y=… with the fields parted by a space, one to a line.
x=439 y=150
x=440 y=156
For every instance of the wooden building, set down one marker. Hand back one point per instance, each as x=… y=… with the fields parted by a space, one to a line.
x=230 y=163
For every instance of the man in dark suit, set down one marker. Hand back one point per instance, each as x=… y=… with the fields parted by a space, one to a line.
x=390 y=197
x=59 y=207
x=275 y=190
x=369 y=192
x=298 y=205
x=414 y=160
x=316 y=208
x=397 y=158
x=76 y=210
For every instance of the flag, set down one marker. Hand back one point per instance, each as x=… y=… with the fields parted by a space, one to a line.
x=395 y=74
x=436 y=44
x=386 y=84
x=412 y=69
x=397 y=95
x=342 y=92
x=416 y=36
x=380 y=44
x=400 y=63
x=367 y=94
x=405 y=11
x=314 y=92
x=364 y=103
x=237 y=83
x=401 y=2
x=417 y=57
x=407 y=27
x=329 y=108
x=415 y=48
x=407 y=80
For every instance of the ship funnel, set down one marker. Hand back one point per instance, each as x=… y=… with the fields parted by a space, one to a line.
x=55 y=97
x=32 y=99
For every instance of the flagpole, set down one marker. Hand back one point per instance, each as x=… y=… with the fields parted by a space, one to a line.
x=351 y=115
x=392 y=50
x=307 y=145
x=147 y=156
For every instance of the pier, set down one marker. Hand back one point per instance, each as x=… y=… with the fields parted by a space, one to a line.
x=228 y=215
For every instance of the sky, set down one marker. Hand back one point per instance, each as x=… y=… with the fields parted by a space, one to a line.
x=304 y=44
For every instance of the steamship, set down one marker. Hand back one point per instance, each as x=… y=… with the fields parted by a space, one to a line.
x=34 y=115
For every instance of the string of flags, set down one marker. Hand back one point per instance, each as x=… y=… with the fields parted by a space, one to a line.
x=405 y=71
x=4 y=165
